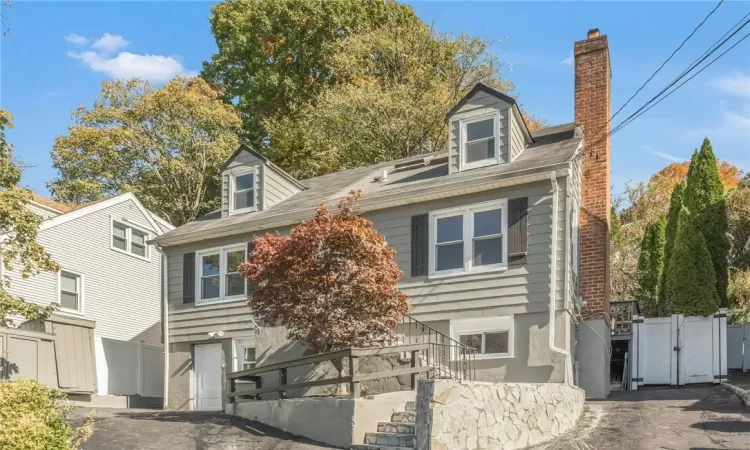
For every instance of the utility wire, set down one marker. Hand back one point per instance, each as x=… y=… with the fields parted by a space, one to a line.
x=712 y=49
x=667 y=60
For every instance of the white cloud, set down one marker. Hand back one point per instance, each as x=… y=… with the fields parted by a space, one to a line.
x=109 y=43
x=156 y=68
x=737 y=84
x=649 y=149
x=569 y=60
x=734 y=125
x=76 y=39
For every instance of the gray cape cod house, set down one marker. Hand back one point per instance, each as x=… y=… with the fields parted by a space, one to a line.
x=489 y=234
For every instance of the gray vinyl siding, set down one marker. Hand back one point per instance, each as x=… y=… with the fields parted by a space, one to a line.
x=479 y=104
x=243 y=161
x=517 y=139
x=121 y=293
x=517 y=290
x=277 y=187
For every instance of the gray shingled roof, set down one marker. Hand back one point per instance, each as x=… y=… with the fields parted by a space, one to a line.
x=553 y=148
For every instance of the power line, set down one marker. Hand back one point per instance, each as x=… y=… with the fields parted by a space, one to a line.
x=677 y=79
x=667 y=60
x=681 y=84
x=712 y=49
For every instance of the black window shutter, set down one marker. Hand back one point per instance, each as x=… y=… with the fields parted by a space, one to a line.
x=419 y=245
x=518 y=211
x=188 y=278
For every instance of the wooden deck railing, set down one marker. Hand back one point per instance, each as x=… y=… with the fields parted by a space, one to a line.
x=353 y=378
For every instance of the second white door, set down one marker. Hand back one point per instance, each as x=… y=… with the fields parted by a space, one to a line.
x=208 y=377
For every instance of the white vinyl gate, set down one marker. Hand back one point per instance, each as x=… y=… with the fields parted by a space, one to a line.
x=738 y=347
x=679 y=350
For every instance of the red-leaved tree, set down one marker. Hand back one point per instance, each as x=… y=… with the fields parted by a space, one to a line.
x=331 y=282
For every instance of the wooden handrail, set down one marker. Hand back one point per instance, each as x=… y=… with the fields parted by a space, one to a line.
x=353 y=378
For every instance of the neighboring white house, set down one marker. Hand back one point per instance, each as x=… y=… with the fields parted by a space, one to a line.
x=108 y=275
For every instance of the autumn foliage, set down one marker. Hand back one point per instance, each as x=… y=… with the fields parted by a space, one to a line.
x=331 y=282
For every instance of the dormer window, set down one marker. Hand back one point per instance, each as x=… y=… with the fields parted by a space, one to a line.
x=243 y=191
x=480 y=142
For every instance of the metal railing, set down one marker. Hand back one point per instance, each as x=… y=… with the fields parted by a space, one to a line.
x=448 y=357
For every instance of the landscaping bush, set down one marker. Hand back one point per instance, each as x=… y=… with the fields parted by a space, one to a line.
x=32 y=417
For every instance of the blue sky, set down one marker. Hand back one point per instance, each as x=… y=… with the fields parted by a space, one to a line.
x=61 y=52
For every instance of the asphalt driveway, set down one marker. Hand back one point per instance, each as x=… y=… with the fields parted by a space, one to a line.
x=119 y=429
x=674 y=419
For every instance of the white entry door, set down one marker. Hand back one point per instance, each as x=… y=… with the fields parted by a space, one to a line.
x=208 y=377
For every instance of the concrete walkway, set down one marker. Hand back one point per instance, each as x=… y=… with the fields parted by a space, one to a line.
x=119 y=429
x=675 y=419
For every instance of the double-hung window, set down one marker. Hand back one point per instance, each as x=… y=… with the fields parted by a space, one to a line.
x=128 y=239
x=218 y=277
x=469 y=239
x=479 y=141
x=243 y=187
x=70 y=291
x=490 y=337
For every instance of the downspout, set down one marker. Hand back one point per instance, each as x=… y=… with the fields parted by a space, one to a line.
x=165 y=302
x=553 y=279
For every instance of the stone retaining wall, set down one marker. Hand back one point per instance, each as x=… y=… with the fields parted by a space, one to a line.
x=468 y=415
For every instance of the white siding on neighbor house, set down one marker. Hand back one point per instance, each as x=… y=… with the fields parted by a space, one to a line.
x=45 y=213
x=517 y=138
x=121 y=293
x=479 y=104
x=575 y=186
x=516 y=290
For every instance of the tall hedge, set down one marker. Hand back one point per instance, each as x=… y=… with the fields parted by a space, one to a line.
x=650 y=268
x=670 y=232
x=704 y=198
x=691 y=281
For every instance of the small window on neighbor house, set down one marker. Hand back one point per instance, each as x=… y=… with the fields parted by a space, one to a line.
x=127 y=239
x=480 y=142
x=70 y=291
x=243 y=195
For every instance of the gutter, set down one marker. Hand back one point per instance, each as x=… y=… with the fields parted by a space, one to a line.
x=553 y=279
x=387 y=200
x=165 y=324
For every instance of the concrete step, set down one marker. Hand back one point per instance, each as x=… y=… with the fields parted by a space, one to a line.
x=378 y=447
x=411 y=406
x=404 y=416
x=391 y=439
x=395 y=427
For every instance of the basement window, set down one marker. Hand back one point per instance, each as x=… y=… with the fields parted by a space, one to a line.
x=490 y=337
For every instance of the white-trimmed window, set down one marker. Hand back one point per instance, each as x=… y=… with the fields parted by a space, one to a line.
x=473 y=238
x=70 y=291
x=480 y=143
x=218 y=277
x=242 y=189
x=491 y=337
x=128 y=239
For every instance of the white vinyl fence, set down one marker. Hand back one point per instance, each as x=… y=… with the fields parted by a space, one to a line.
x=129 y=368
x=738 y=347
x=679 y=350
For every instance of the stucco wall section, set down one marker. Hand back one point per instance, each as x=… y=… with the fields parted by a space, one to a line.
x=180 y=396
x=466 y=415
x=340 y=422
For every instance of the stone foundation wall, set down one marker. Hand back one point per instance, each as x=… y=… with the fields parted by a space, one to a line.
x=468 y=415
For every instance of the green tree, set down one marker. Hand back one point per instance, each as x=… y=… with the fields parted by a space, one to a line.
x=738 y=212
x=393 y=87
x=615 y=229
x=650 y=268
x=675 y=206
x=19 y=225
x=274 y=55
x=165 y=145
x=704 y=198
x=690 y=283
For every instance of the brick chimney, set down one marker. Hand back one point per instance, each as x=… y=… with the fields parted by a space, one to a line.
x=592 y=110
